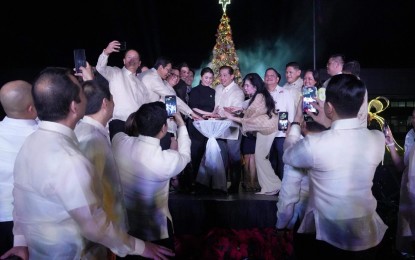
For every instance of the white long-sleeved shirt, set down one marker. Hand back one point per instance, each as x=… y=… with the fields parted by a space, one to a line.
x=293 y=197
x=285 y=101
x=295 y=88
x=341 y=163
x=55 y=204
x=409 y=142
x=145 y=171
x=157 y=89
x=231 y=95
x=127 y=91
x=94 y=142
x=405 y=231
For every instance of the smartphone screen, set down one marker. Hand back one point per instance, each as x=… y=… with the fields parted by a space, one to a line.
x=309 y=96
x=171 y=106
x=282 y=121
x=79 y=59
x=123 y=45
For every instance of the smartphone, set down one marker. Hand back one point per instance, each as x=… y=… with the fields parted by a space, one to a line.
x=385 y=128
x=123 y=45
x=282 y=121
x=79 y=59
x=309 y=96
x=171 y=105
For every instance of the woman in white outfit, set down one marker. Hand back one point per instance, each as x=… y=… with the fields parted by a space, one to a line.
x=259 y=118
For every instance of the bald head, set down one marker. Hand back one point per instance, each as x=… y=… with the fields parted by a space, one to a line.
x=16 y=99
x=132 y=61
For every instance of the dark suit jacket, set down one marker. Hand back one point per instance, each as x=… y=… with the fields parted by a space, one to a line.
x=181 y=90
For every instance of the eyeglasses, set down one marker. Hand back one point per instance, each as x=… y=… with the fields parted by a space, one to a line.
x=174 y=75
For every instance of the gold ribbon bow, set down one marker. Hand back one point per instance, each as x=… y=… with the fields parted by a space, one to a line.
x=378 y=105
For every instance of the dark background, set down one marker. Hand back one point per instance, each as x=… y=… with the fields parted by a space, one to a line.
x=266 y=33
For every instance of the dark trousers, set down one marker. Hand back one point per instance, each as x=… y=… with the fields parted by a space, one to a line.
x=308 y=247
x=6 y=236
x=275 y=156
x=197 y=149
x=231 y=155
x=167 y=242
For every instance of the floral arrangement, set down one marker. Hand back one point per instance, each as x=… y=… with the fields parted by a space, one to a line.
x=222 y=243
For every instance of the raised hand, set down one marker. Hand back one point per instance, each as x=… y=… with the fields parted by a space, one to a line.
x=113 y=46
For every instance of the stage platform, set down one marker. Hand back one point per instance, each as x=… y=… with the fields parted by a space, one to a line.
x=196 y=214
x=234 y=227
x=226 y=225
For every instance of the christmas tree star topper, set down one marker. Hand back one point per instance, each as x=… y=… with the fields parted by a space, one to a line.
x=224 y=3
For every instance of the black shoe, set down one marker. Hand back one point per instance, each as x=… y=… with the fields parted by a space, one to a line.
x=244 y=187
x=218 y=192
x=200 y=189
x=233 y=189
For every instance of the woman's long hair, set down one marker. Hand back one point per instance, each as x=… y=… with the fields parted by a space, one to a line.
x=259 y=84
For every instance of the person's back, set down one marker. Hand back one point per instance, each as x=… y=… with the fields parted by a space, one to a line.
x=409 y=139
x=56 y=206
x=145 y=170
x=293 y=197
x=94 y=142
x=405 y=233
x=47 y=188
x=16 y=99
x=41 y=201
x=341 y=163
x=95 y=145
x=405 y=241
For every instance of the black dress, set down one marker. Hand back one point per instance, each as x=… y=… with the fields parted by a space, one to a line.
x=201 y=97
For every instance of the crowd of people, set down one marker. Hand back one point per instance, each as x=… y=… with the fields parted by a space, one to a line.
x=88 y=159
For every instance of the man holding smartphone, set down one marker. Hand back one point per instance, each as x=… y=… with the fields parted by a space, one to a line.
x=145 y=176
x=57 y=207
x=170 y=102
x=128 y=92
x=153 y=79
x=154 y=82
x=285 y=101
x=341 y=163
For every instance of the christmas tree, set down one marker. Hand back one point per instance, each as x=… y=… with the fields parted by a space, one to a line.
x=224 y=51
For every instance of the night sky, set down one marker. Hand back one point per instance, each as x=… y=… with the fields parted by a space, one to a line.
x=265 y=32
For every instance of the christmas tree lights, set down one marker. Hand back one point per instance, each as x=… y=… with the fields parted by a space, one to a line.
x=224 y=52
